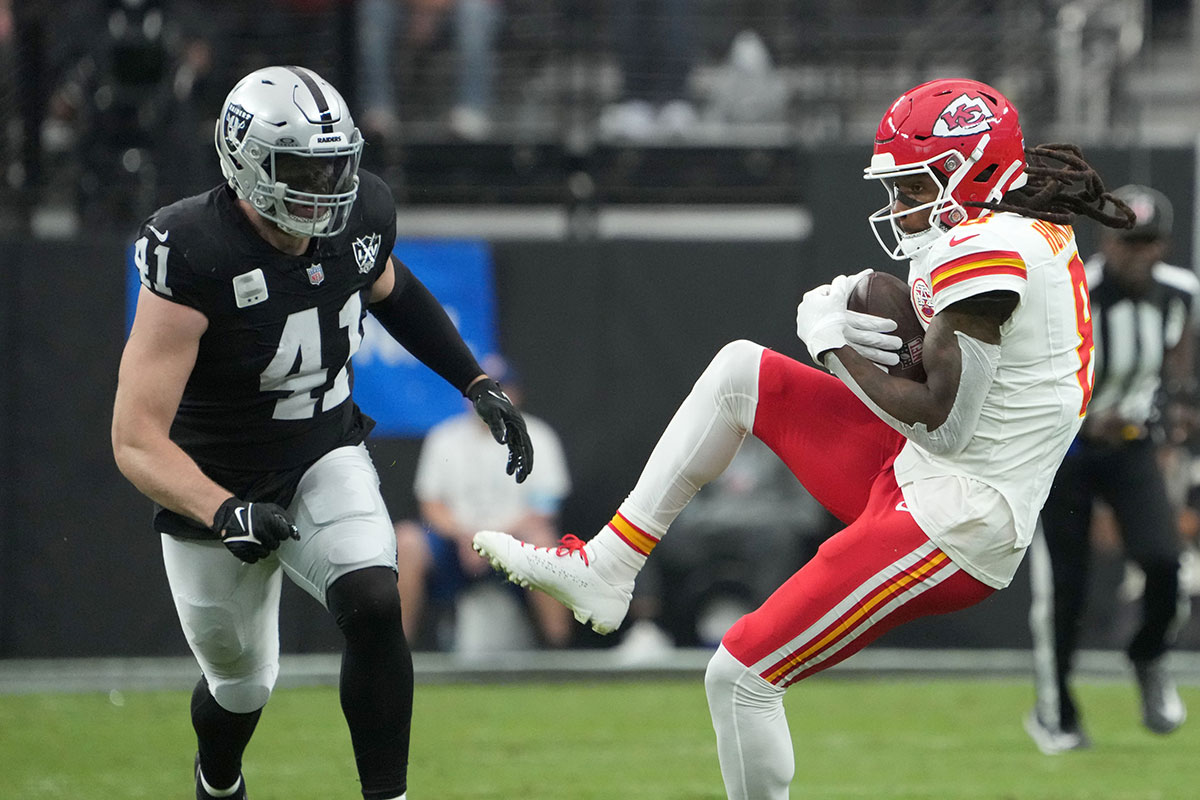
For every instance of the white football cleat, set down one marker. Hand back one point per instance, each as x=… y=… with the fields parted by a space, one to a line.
x=563 y=572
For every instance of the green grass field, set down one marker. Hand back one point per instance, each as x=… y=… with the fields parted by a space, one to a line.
x=650 y=740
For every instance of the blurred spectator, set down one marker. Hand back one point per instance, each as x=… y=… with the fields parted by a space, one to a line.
x=316 y=33
x=476 y=26
x=41 y=60
x=747 y=89
x=655 y=41
x=1143 y=311
x=461 y=488
x=123 y=113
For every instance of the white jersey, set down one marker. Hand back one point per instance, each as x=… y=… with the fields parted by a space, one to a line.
x=981 y=505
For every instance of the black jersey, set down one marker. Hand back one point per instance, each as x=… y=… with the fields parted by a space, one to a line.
x=270 y=392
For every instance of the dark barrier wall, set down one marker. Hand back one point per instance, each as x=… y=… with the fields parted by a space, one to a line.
x=609 y=337
x=78 y=570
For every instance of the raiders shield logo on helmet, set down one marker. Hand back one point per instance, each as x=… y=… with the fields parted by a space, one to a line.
x=235 y=124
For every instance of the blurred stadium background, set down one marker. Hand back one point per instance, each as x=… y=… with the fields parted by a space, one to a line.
x=623 y=245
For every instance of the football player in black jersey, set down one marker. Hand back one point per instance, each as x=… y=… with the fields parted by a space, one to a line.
x=234 y=415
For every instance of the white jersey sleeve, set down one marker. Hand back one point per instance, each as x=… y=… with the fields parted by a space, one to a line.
x=976 y=257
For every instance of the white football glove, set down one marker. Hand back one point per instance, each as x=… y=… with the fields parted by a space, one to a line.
x=823 y=323
x=869 y=335
x=821 y=316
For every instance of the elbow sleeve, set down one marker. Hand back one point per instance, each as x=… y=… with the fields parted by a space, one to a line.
x=415 y=319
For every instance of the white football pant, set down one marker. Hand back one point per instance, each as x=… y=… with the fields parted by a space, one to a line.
x=229 y=610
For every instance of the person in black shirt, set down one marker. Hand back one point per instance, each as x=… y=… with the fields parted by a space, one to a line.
x=234 y=415
x=1142 y=312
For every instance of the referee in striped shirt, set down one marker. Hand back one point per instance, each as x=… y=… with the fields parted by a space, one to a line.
x=1142 y=311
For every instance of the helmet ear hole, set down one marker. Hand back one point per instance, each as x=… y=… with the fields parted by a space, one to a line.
x=986 y=174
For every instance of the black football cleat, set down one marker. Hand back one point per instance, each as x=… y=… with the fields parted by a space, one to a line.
x=202 y=793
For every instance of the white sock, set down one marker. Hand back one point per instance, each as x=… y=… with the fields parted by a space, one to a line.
x=399 y=797
x=753 y=744
x=230 y=792
x=617 y=557
x=698 y=444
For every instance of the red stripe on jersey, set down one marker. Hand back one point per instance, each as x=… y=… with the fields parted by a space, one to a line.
x=971 y=258
x=979 y=272
x=971 y=265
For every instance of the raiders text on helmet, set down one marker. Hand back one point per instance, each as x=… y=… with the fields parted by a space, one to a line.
x=289 y=147
x=962 y=133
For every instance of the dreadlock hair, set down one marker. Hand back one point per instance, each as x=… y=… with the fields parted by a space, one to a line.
x=1047 y=195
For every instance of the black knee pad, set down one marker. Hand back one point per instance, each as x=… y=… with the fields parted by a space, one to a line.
x=366 y=603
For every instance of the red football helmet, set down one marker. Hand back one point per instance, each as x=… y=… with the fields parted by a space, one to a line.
x=965 y=135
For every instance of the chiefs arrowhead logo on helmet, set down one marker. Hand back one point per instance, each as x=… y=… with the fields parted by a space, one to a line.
x=966 y=115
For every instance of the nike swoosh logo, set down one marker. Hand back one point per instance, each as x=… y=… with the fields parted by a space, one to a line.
x=162 y=235
x=959 y=240
x=238 y=512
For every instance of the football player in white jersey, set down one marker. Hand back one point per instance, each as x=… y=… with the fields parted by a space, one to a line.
x=939 y=483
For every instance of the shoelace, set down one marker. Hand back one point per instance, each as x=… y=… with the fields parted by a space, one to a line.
x=572 y=544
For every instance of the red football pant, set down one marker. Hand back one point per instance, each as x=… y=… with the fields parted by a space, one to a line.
x=879 y=571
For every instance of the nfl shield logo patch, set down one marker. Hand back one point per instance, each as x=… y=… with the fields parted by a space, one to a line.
x=316 y=274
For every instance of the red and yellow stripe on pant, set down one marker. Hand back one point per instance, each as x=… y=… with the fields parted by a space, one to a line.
x=859 y=618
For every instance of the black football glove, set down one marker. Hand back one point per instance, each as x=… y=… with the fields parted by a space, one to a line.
x=253 y=530
x=508 y=426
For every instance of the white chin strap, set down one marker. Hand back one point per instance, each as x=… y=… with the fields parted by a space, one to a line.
x=979 y=364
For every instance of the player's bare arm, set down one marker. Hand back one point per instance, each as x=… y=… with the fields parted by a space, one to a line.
x=155 y=366
x=929 y=403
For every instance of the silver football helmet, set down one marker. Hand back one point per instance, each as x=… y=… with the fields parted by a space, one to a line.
x=289 y=147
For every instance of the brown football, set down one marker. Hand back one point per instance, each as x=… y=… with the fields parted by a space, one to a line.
x=885 y=295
